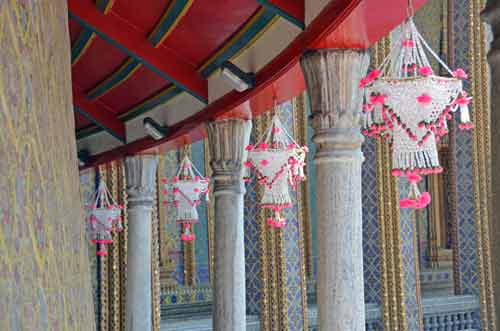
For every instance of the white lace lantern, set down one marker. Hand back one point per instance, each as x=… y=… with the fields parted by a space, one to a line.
x=104 y=218
x=408 y=105
x=183 y=192
x=278 y=162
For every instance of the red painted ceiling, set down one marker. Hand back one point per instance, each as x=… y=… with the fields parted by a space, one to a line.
x=200 y=33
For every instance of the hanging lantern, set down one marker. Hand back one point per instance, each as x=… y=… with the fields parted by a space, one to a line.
x=183 y=193
x=104 y=218
x=408 y=105
x=278 y=162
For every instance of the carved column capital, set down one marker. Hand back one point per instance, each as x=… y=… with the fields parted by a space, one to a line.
x=227 y=139
x=140 y=172
x=332 y=78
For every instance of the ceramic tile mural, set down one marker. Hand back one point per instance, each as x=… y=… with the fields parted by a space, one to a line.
x=44 y=266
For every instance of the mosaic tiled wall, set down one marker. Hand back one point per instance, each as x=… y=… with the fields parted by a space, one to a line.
x=44 y=267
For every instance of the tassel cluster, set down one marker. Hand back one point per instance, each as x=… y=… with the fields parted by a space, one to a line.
x=104 y=219
x=183 y=192
x=278 y=163
x=408 y=106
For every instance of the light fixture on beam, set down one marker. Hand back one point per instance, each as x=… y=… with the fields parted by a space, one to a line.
x=154 y=129
x=239 y=80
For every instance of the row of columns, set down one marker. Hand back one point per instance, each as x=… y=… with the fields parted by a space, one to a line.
x=332 y=78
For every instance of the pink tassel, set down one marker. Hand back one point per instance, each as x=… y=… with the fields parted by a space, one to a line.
x=425 y=71
x=407 y=203
x=424 y=98
x=263 y=146
x=249 y=148
x=363 y=82
x=397 y=172
x=264 y=162
x=374 y=74
x=460 y=73
x=408 y=43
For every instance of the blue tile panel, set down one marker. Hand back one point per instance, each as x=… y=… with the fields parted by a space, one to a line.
x=467 y=243
x=371 y=229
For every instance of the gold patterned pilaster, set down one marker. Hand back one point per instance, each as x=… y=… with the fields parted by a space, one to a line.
x=269 y=298
x=481 y=166
x=122 y=199
x=393 y=304
x=155 y=260
x=274 y=299
x=303 y=210
x=210 y=212
x=114 y=257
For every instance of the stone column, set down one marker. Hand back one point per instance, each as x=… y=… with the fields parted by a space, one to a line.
x=332 y=78
x=227 y=139
x=140 y=172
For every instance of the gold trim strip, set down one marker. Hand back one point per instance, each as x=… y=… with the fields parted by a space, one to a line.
x=155 y=263
x=103 y=293
x=481 y=152
x=210 y=213
x=392 y=276
x=113 y=257
x=303 y=214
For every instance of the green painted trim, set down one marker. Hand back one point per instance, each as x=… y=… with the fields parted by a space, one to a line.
x=116 y=78
x=278 y=11
x=104 y=5
x=261 y=23
x=81 y=44
x=172 y=16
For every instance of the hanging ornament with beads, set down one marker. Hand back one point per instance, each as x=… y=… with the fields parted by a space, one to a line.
x=104 y=218
x=407 y=105
x=278 y=162
x=183 y=193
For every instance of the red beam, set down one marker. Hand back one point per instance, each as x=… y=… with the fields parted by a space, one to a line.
x=126 y=37
x=98 y=113
x=337 y=15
